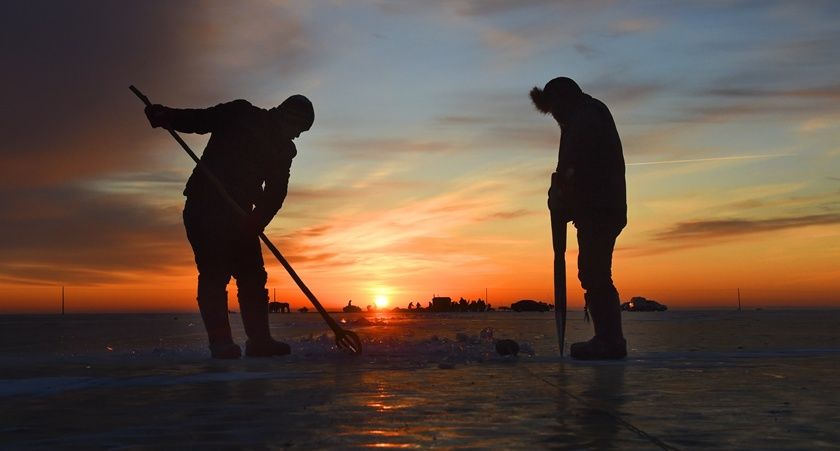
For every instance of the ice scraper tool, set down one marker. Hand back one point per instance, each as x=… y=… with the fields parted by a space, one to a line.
x=558 y=233
x=343 y=338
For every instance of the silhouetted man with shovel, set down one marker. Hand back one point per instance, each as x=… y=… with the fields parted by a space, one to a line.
x=588 y=188
x=250 y=151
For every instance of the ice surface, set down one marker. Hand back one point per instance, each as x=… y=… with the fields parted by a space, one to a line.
x=693 y=379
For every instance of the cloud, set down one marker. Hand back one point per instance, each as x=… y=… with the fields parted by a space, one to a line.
x=417 y=235
x=512 y=44
x=461 y=120
x=623 y=93
x=786 y=197
x=703 y=160
x=818 y=49
x=260 y=37
x=469 y=7
x=635 y=25
x=69 y=115
x=727 y=112
x=815 y=106
x=81 y=236
x=585 y=50
x=511 y=214
x=495 y=119
x=826 y=92
x=728 y=228
x=377 y=148
x=308 y=194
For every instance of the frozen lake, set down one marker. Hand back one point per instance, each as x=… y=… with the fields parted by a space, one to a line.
x=754 y=379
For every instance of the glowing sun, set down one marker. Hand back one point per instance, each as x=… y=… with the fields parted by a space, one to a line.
x=381 y=301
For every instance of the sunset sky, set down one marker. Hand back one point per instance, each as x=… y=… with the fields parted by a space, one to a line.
x=427 y=167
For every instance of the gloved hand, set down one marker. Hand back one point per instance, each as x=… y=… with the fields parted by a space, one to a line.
x=559 y=200
x=252 y=225
x=156 y=115
x=558 y=205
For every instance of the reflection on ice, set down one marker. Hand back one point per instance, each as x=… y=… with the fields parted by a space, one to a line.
x=383 y=433
x=391 y=445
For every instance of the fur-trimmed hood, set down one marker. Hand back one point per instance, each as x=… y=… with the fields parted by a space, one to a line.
x=560 y=89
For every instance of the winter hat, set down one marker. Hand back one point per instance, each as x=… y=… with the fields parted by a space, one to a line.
x=560 y=89
x=298 y=109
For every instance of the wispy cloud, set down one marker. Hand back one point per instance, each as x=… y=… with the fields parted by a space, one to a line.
x=636 y=25
x=81 y=236
x=621 y=93
x=506 y=42
x=384 y=147
x=827 y=92
x=728 y=228
x=703 y=160
x=419 y=235
x=512 y=214
x=469 y=7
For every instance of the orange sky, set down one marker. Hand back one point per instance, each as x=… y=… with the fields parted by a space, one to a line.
x=427 y=167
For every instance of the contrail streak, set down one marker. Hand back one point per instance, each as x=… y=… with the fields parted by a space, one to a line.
x=698 y=160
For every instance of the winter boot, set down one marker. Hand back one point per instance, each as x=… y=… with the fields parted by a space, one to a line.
x=254 y=310
x=225 y=351
x=214 y=314
x=608 y=343
x=599 y=349
x=268 y=348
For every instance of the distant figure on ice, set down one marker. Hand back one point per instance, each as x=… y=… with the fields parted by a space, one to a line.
x=588 y=188
x=250 y=151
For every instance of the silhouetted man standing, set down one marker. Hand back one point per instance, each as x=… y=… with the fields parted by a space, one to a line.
x=588 y=188
x=250 y=151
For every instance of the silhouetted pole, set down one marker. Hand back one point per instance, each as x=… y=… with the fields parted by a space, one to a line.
x=559 y=237
x=739 y=299
x=343 y=338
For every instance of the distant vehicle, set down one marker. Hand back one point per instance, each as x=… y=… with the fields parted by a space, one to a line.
x=528 y=305
x=640 y=304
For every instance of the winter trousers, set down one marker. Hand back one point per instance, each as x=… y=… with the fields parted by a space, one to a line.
x=596 y=241
x=222 y=249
